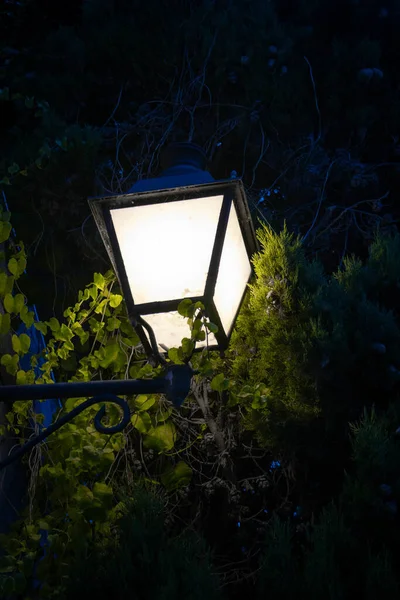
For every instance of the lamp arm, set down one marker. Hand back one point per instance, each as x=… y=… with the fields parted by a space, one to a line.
x=175 y=385
x=138 y=321
x=71 y=415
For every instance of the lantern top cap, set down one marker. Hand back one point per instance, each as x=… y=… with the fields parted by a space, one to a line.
x=182 y=163
x=179 y=154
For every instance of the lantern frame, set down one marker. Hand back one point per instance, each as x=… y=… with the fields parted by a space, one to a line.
x=233 y=195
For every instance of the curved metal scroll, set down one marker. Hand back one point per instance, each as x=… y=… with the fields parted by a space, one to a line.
x=71 y=415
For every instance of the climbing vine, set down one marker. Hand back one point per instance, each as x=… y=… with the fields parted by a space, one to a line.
x=76 y=470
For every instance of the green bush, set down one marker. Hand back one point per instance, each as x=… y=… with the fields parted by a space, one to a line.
x=143 y=562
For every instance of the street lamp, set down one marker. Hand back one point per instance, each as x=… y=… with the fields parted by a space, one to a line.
x=179 y=236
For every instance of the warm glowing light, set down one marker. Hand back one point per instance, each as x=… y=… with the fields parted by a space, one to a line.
x=166 y=248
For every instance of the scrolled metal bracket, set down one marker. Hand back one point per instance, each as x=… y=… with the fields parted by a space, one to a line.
x=175 y=385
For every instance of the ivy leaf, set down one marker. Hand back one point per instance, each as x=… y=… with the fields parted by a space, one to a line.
x=110 y=355
x=54 y=324
x=21 y=378
x=176 y=355
x=5 y=230
x=95 y=325
x=19 y=303
x=103 y=492
x=21 y=344
x=219 y=383
x=142 y=422
x=13 y=266
x=184 y=306
x=113 y=323
x=115 y=300
x=10 y=363
x=187 y=346
x=100 y=307
x=83 y=496
x=14 y=168
x=163 y=414
x=212 y=327
x=161 y=438
x=64 y=334
x=143 y=402
x=177 y=477
x=21 y=265
x=99 y=281
x=132 y=341
x=42 y=327
x=27 y=317
x=9 y=303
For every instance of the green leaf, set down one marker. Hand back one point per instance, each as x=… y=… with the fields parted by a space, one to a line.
x=103 y=492
x=219 y=383
x=64 y=334
x=10 y=363
x=83 y=496
x=187 y=346
x=5 y=181
x=42 y=327
x=16 y=344
x=111 y=353
x=43 y=524
x=21 y=377
x=27 y=317
x=197 y=332
x=176 y=355
x=161 y=438
x=54 y=324
x=177 y=477
x=19 y=303
x=131 y=341
x=183 y=308
x=141 y=422
x=113 y=323
x=212 y=327
x=99 y=281
x=163 y=414
x=25 y=342
x=9 y=303
x=13 y=266
x=115 y=300
x=143 y=402
x=13 y=169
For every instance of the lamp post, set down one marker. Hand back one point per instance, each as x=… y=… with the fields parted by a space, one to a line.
x=179 y=236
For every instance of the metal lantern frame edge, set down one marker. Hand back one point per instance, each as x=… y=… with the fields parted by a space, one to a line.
x=232 y=192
